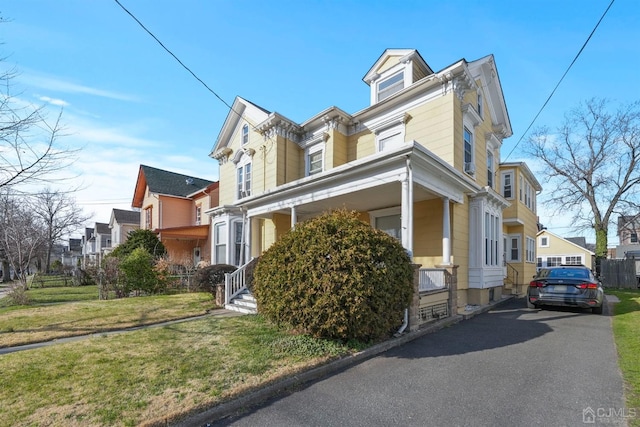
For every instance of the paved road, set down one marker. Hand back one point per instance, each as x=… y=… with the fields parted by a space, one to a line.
x=508 y=367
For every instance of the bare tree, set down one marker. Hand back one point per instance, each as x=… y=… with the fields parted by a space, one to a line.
x=592 y=165
x=60 y=216
x=28 y=151
x=22 y=235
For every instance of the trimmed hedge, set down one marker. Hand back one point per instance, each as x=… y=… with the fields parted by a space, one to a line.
x=335 y=277
x=207 y=278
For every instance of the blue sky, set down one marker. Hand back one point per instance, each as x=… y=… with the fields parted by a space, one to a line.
x=127 y=102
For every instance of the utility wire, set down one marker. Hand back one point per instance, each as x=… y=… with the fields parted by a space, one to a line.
x=560 y=81
x=175 y=57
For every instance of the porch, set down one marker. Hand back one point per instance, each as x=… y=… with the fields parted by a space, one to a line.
x=435 y=293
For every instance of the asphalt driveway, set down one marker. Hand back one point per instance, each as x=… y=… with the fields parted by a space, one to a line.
x=508 y=367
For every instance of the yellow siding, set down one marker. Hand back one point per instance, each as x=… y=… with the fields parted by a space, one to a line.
x=339 y=148
x=361 y=145
x=432 y=125
x=390 y=62
x=460 y=246
x=427 y=240
x=562 y=247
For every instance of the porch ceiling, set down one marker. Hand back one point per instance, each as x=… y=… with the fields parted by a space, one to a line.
x=369 y=199
x=195 y=232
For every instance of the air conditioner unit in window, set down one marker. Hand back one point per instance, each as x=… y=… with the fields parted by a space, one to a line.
x=469 y=167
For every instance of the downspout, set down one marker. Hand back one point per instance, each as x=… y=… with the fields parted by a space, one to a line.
x=405 y=323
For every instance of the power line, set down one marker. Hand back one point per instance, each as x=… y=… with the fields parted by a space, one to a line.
x=560 y=81
x=174 y=56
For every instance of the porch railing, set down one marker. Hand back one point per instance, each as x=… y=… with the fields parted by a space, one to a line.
x=234 y=283
x=434 y=279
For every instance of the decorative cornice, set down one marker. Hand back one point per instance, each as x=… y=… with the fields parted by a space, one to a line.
x=470 y=112
x=278 y=126
x=222 y=155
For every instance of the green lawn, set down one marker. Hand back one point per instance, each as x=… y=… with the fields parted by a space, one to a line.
x=151 y=376
x=626 y=330
x=43 y=321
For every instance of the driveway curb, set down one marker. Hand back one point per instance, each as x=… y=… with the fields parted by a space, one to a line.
x=279 y=387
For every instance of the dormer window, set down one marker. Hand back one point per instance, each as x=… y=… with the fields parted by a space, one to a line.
x=390 y=85
x=245 y=134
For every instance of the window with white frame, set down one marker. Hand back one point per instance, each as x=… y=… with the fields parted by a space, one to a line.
x=513 y=247
x=531 y=249
x=491 y=236
x=521 y=189
x=388 y=220
x=148 y=218
x=315 y=159
x=554 y=261
x=490 y=168
x=245 y=134
x=390 y=138
x=573 y=260
x=220 y=243
x=237 y=233
x=198 y=214
x=633 y=238
x=544 y=242
x=243 y=180
x=507 y=184
x=390 y=85
x=539 y=264
x=468 y=151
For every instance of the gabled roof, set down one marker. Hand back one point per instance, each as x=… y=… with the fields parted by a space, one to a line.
x=122 y=216
x=240 y=110
x=167 y=183
x=102 y=228
x=412 y=54
x=570 y=240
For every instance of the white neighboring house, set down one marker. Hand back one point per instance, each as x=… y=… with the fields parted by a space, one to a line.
x=94 y=242
x=122 y=222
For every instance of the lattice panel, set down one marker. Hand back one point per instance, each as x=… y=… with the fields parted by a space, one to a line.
x=433 y=312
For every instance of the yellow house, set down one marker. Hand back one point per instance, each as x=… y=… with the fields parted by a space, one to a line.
x=520 y=225
x=173 y=205
x=420 y=162
x=554 y=250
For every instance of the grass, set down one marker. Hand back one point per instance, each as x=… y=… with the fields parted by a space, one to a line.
x=153 y=376
x=626 y=330
x=43 y=321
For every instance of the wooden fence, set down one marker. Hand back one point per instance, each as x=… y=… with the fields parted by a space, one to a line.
x=619 y=273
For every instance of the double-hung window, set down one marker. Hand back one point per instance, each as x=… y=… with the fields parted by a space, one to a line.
x=468 y=151
x=490 y=169
x=245 y=134
x=513 y=247
x=491 y=233
x=198 y=214
x=507 y=185
x=244 y=180
x=220 y=243
x=148 y=218
x=315 y=159
x=390 y=85
x=390 y=138
x=531 y=250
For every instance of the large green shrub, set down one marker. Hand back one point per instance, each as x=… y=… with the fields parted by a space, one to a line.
x=207 y=278
x=140 y=238
x=140 y=275
x=335 y=277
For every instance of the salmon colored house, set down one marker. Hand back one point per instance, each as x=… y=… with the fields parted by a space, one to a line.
x=173 y=206
x=421 y=162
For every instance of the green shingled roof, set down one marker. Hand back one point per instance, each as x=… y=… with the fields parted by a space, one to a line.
x=171 y=183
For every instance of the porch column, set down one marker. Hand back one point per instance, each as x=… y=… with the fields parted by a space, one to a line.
x=294 y=219
x=446 y=233
x=406 y=216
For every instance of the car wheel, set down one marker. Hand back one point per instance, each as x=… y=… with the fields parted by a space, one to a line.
x=597 y=310
x=530 y=305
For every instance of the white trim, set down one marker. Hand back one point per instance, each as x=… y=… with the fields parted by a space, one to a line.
x=314 y=149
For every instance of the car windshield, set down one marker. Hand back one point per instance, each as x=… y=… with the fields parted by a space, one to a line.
x=569 y=273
